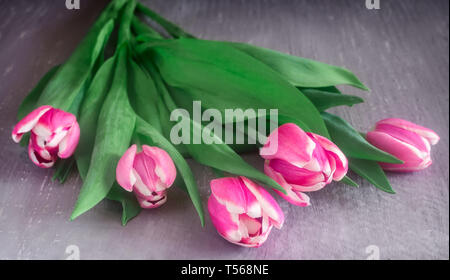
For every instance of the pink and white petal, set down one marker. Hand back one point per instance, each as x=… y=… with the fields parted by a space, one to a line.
x=429 y=134
x=333 y=150
x=407 y=167
x=164 y=166
x=293 y=196
x=295 y=175
x=55 y=139
x=124 y=175
x=312 y=188
x=58 y=120
x=268 y=204
x=293 y=145
x=150 y=204
x=226 y=223
x=403 y=151
x=38 y=160
x=139 y=187
x=229 y=191
x=253 y=207
x=69 y=143
x=405 y=136
x=27 y=123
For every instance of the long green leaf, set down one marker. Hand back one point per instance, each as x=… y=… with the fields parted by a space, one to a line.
x=116 y=124
x=348 y=181
x=300 y=71
x=218 y=154
x=143 y=95
x=324 y=100
x=372 y=172
x=89 y=113
x=352 y=143
x=224 y=77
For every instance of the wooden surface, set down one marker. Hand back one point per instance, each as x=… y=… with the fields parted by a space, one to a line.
x=399 y=51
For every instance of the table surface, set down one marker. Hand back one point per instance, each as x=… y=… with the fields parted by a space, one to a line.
x=400 y=51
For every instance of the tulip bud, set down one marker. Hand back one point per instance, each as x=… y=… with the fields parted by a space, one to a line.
x=54 y=133
x=148 y=174
x=242 y=211
x=407 y=141
x=303 y=162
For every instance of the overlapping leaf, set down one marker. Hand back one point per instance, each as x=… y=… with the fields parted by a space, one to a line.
x=223 y=77
x=352 y=143
x=115 y=127
x=300 y=71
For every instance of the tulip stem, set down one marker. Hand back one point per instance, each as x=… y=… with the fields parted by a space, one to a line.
x=171 y=28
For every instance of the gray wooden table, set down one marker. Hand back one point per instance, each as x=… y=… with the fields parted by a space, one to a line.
x=399 y=51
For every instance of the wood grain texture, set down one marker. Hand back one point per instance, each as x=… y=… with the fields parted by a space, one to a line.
x=399 y=51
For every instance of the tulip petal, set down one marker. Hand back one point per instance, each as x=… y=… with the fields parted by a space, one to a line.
x=413 y=158
x=27 y=123
x=295 y=197
x=151 y=203
x=427 y=133
x=69 y=143
x=268 y=203
x=331 y=149
x=37 y=159
x=58 y=120
x=226 y=223
x=406 y=136
x=295 y=175
x=164 y=166
x=230 y=192
x=293 y=145
x=124 y=175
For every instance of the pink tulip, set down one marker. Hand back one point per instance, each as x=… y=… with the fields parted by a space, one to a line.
x=148 y=174
x=407 y=141
x=54 y=133
x=303 y=162
x=242 y=211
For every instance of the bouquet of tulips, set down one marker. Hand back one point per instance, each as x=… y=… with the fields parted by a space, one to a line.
x=113 y=118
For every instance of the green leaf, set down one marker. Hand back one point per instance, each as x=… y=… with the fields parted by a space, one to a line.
x=348 y=181
x=70 y=79
x=116 y=124
x=324 y=100
x=218 y=154
x=352 y=143
x=223 y=77
x=130 y=205
x=63 y=169
x=372 y=172
x=300 y=71
x=156 y=138
x=330 y=89
x=89 y=113
x=143 y=95
x=29 y=102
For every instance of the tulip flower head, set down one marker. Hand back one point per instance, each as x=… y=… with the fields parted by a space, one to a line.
x=54 y=133
x=243 y=212
x=303 y=162
x=407 y=141
x=148 y=174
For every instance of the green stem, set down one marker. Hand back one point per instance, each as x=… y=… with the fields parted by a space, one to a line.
x=125 y=23
x=171 y=28
x=141 y=28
